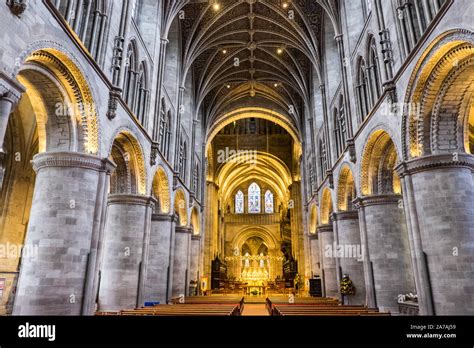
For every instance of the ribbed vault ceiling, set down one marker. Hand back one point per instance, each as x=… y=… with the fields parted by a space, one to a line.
x=245 y=50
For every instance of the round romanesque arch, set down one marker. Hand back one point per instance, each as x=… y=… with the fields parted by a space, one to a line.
x=313 y=218
x=180 y=207
x=326 y=207
x=73 y=98
x=195 y=221
x=439 y=111
x=130 y=175
x=379 y=160
x=346 y=191
x=161 y=190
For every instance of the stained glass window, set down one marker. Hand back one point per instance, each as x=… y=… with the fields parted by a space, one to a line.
x=268 y=202
x=239 y=203
x=254 y=199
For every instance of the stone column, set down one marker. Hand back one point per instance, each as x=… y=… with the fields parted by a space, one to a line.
x=10 y=94
x=210 y=222
x=367 y=265
x=124 y=244
x=352 y=252
x=387 y=254
x=156 y=284
x=181 y=259
x=194 y=258
x=315 y=257
x=328 y=260
x=441 y=203
x=92 y=282
x=53 y=278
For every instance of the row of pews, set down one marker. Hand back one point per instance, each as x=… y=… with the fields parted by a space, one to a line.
x=319 y=307
x=277 y=305
x=191 y=306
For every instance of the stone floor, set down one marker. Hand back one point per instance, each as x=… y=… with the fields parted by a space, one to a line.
x=255 y=309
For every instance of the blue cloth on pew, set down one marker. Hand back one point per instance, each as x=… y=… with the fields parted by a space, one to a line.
x=151 y=304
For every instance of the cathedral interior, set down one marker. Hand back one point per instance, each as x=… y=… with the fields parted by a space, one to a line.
x=160 y=155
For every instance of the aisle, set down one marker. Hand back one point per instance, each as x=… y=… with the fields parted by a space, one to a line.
x=255 y=310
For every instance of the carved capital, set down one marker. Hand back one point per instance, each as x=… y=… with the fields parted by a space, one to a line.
x=388 y=199
x=71 y=160
x=162 y=217
x=345 y=215
x=434 y=162
x=324 y=229
x=129 y=199
x=10 y=88
x=183 y=229
x=313 y=236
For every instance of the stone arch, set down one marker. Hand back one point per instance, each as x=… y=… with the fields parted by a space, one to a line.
x=346 y=191
x=253 y=112
x=130 y=175
x=195 y=221
x=379 y=159
x=161 y=190
x=181 y=207
x=254 y=231
x=326 y=207
x=313 y=218
x=61 y=99
x=59 y=62
x=438 y=113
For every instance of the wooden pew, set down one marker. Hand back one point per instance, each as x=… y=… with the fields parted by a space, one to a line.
x=318 y=310
x=211 y=300
x=185 y=310
x=313 y=301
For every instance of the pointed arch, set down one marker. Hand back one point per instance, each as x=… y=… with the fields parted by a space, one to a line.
x=269 y=202
x=141 y=99
x=131 y=71
x=254 y=199
x=239 y=203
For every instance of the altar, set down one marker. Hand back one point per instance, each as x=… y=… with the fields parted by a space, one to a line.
x=255 y=290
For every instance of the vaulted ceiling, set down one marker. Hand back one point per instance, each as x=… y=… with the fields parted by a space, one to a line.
x=253 y=52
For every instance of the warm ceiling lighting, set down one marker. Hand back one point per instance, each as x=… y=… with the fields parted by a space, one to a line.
x=228 y=86
x=285 y=5
x=224 y=51
x=280 y=51
x=216 y=7
x=276 y=84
